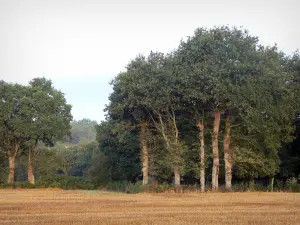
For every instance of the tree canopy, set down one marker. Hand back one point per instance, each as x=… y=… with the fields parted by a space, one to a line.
x=220 y=108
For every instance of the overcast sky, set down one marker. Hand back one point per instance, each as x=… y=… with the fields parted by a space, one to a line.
x=82 y=44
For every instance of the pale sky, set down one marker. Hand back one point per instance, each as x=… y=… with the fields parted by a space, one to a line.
x=82 y=44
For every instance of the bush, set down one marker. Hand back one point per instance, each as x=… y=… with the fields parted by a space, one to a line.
x=123 y=186
x=66 y=182
x=163 y=187
x=18 y=185
x=74 y=183
x=278 y=185
x=292 y=185
x=260 y=187
x=190 y=188
x=240 y=187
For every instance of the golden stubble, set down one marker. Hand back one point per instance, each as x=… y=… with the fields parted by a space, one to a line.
x=48 y=206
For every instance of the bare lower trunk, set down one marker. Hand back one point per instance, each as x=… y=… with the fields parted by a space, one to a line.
x=30 y=170
x=227 y=155
x=31 y=158
x=251 y=183
x=144 y=152
x=177 y=178
x=176 y=167
x=272 y=184
x=11 y=175
x=202 y=157
x=215 y=150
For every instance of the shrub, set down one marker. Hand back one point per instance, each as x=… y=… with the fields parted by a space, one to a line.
x=278 y=185
x=66 y=182
x=163 y=187
x=292 y=185
x=260 y=187
x=240 y=187
x=190 y=188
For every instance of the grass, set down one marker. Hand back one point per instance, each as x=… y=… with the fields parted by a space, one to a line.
x=54 y=206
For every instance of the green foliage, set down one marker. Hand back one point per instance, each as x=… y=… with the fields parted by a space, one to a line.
x=3 y=168
x=56 y=181
x=15 y=118
x=51 y=116
x=82 y=131
x=253 y=163
x=164 y=187
x=66 y=182
x=122 y=186
x=292 y=185
x=221 y=69
x=118 y=157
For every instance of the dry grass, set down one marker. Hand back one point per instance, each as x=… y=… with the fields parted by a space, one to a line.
x=42 y=206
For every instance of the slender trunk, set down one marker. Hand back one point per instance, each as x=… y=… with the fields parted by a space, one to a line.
x=167 y=141
x=215 y=150
x=11 y=175
x=30 y=170
x=144 y=152
x=272 y=184
x=251 y=183
x=177 y=178
x=178 y=155
x=227 y=155
x=202 y=156
x=155 y=185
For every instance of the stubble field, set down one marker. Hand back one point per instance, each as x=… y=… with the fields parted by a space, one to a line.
x=44 y=206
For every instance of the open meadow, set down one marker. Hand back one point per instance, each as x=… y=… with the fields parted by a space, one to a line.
x=46 y=206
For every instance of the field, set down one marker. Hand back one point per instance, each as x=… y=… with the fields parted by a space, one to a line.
x=44 y=206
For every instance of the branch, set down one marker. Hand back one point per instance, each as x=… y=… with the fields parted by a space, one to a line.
x=154 y=122
x=175 y=125
x=163 y=131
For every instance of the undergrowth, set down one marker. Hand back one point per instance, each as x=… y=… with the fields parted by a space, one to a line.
x=75 y=183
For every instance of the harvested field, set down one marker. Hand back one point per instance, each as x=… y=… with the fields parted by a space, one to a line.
x=42 y=206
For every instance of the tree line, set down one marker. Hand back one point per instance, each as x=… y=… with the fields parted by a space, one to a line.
x=220 y=108
x=219 y=96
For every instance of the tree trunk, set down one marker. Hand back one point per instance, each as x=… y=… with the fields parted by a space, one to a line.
x=215 y=150
x=202 y=156
x=272 y=184
x=178 y=155
x=227 y=155
x=177 y=178
x=251 y=183
x=11 y=175
x=144 y=152
x=30 y=170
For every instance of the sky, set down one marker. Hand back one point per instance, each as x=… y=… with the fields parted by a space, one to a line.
x=81 y=45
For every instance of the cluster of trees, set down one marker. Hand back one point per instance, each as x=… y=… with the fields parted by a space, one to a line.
x=29 y=115
x=74 y=156
x=221 y=108
x=219 y=105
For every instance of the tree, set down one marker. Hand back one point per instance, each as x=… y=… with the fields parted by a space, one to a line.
x=217 y=67
x=14 y=122
x=133 y=116
x=148 y=82
x=204 y=81
x=50 y=118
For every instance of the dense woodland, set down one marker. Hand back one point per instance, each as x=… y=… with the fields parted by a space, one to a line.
x=220 y=110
